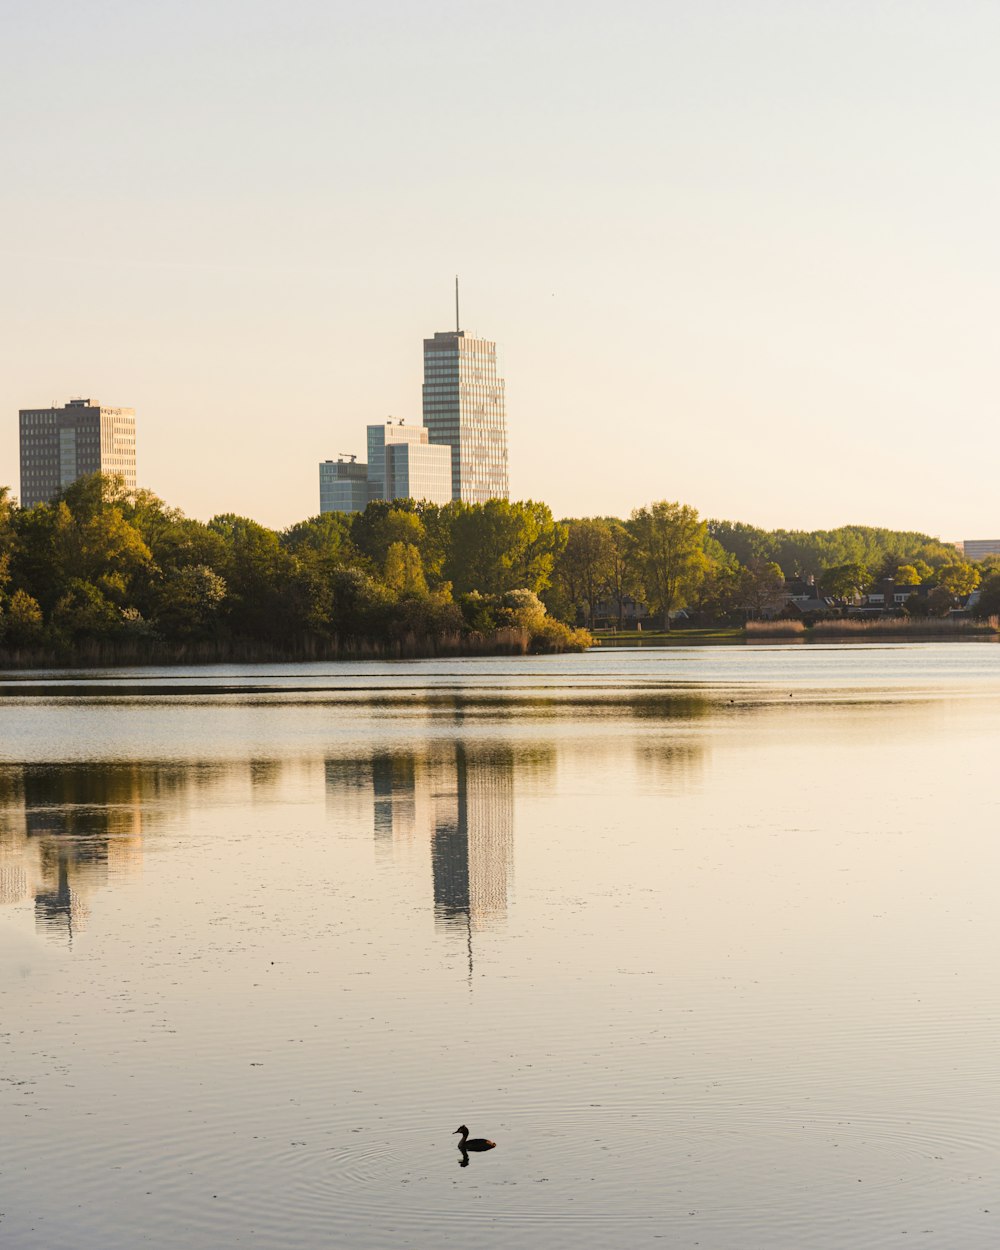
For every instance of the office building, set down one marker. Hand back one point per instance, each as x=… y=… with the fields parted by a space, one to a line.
x=980 y=548
x=343 y=485
x=59 y=445
x=380 y=437
x=464 y=410
x=418 y=471
x=403 y=464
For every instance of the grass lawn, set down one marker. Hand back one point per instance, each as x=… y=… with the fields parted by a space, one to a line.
x=658 y=637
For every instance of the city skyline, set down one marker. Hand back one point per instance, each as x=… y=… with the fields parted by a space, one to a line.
x=458 y=453
x=763 y=251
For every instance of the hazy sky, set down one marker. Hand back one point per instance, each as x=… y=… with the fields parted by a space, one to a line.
x=740 y=253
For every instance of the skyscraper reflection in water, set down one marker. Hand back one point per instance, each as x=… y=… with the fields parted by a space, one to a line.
x=473 y=837
x=458 y=798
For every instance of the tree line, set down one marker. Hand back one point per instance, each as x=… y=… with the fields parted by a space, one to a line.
x=104 y=564
x=665 y=558
x=101 y=563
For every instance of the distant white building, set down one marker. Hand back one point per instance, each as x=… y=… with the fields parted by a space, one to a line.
x=980 y=548
x=404 y=464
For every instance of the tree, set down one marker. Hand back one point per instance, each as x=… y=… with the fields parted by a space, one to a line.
x=937 y=602
x=743 y=541
x=500 y=545
x=404 y=571
x=184 y=542
x=189 y=600
x=6 y=535
x=670 y=555
x=84 y=611
x=623 y=576
x=526 y=609
x=989 y=595
x=326 y=536
x=845 y=581
x=907 y=575
x=717 y=595
x=583 y=569
x=383 y=523
x=257 y=572
x=761 y=588
x=23 y=620
x=958 y=579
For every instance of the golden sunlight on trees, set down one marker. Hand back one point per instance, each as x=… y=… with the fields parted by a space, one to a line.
x=670 y=555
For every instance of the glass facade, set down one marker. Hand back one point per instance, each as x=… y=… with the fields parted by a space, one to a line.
x=343 y=486
x=464 y=409
x=380 y=438
x=418 y=471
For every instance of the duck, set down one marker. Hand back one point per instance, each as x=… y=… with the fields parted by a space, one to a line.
x=473 y=1143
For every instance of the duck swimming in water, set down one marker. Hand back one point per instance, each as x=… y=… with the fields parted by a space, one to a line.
x=473 y=1143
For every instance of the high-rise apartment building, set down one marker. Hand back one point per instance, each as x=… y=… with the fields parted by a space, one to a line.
x=464 y=409
x=59 y=445
x=343 y=485
x=403 y=464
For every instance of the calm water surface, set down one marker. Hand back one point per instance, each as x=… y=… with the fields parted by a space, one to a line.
x=705 y=939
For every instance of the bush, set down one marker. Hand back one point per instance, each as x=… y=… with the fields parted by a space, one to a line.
x=23 y=620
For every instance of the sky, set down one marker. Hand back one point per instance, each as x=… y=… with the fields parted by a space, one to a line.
x=738 y=253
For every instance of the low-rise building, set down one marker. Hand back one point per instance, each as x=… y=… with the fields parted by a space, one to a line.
x=404 y=464
x=980 y=548
x=343 y=485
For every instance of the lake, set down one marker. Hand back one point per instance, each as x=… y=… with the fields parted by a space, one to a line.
x=704 y=938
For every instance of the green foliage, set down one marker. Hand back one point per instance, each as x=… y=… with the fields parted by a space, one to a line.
x=670 y=554
x=760 y=588
x=84 y=611
x=938 y=602
x=958 y=579
x=22 y=621
x=257 y=572
x=383 y=523
x=583 y=572
x=989 y=594
x=404 y=570
x=102 y=564
x=522 y=609
x=809 y=553
x=499 y=546
x=845 y=581
x=326 y=537
x=188 y=601
x=717 y=597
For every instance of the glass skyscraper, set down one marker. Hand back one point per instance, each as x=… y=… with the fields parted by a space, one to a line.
x=464 y=409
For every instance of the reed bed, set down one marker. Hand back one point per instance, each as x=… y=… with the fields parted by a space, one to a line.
x=775 y=629
x=908 y=627
x=878 y=627
x=124 y=653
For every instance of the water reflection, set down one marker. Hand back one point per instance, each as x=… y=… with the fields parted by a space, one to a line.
x=65 y=830
x=443 y=797
x=473 y=836
x=70 y=829
x=459 y=798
